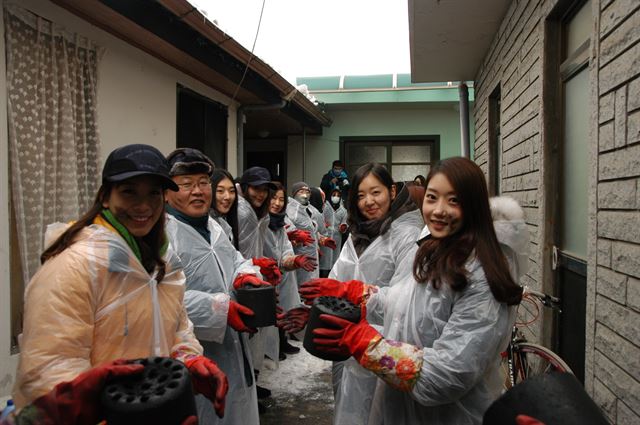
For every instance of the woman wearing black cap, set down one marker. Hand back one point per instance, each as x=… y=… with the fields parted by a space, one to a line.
x=253 y=219
x=108 y=289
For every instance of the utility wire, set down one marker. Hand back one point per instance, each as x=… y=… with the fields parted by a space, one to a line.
x=244 y=74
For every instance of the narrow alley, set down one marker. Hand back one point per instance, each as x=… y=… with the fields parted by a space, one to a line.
x=300 y=390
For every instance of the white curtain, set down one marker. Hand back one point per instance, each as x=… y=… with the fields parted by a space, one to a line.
x=53 y=137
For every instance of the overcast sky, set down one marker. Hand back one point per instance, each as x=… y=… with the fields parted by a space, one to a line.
x=306 y=38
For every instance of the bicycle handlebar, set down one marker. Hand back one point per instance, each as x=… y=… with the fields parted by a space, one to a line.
x=546 y=300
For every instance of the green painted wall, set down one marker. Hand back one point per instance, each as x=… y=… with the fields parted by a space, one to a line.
x=322 y=150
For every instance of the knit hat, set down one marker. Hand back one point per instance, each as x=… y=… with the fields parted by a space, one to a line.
x=297 y=186
x=184 y=161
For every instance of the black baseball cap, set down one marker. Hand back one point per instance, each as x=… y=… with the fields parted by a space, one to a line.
x=135 y=160
x=257 y=176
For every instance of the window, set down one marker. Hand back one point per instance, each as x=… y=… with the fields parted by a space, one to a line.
x=202 y=124
x=404 y=157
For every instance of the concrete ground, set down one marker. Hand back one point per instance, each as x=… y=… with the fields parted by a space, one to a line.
x=300 y=390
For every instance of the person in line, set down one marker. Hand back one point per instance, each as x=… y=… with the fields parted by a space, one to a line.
x=336 y=178
x=335 y=217
x=213 y=268
x=384 y=224
x=446 y=318
x=327 y=244
x=300 y=215
x=109 y=288
x=224 y=207
x=278 y=246
x=253 y=219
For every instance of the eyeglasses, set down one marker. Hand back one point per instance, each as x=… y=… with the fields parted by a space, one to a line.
x=202 y=184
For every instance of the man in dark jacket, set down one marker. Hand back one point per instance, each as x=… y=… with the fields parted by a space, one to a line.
x=336 y=178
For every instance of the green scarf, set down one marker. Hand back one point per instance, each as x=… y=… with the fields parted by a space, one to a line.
x=128 y=237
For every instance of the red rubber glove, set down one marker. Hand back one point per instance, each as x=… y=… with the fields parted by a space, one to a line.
x=269 y=269
x=235 y=321
x=527 y=420
x=248 y=279
x=329 y=243
x=353 y=290
x=294 y=320
x=78 y=401
x=342 y=228
x=301 y=237
x=208 y=380
x=343 y=337
x=305 y=262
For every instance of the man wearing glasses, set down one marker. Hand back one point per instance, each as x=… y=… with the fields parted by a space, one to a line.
x=213 y=268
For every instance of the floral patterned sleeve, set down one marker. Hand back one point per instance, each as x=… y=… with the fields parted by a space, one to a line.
x=396 y=363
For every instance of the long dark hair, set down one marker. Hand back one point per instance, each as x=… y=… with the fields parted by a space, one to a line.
x=231 y=217
x=264 y=208
x=354 y=216
x=443 y=260
x=272 y=193
x=150 y=245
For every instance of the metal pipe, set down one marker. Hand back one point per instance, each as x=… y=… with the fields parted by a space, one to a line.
x=304 y=156
x=240 y=125
x=465 y=146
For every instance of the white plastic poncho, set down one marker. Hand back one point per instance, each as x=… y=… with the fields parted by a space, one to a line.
x=334 y=218
x=226 y=227
x=378 y=264
x=210 y=269
x=298 y=215
x=328 y=254
x=94 y=302
x=512 y=233
x=278 y=247
x=251 y=232
x=461 y=335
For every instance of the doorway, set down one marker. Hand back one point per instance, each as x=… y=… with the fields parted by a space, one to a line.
x=270 y=154
x=568 y=188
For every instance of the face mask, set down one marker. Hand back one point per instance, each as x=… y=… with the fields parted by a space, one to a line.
x=303 y=199
x=336 y=173
x=335 y=199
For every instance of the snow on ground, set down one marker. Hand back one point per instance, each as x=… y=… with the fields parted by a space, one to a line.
x=301 y=390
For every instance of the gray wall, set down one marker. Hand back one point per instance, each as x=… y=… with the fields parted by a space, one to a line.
x=516 y=60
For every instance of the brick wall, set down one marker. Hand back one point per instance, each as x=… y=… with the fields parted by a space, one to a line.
x=515 y=61
x=615 y=323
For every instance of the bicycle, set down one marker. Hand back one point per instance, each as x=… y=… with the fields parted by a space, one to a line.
x=523 y=359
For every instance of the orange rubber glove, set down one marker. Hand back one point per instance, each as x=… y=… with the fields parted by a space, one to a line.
x=248 y=279
x=78 y=401
x=527 y=420
x=208 y=380
x=294 y=320
x=269 y=269
x=302 y=237
x=343 y=337
x=329 y=243
x=305 y=262
x=353 y=290
x=235 y=320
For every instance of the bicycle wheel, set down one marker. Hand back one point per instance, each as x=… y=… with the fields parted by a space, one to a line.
x=532 y=360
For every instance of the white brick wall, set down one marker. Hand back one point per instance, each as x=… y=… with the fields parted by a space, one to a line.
x=515 y=62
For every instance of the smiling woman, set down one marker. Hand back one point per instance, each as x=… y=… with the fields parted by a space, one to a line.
x=96 y=298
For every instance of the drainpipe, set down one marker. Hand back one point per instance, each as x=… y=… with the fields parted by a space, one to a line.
x=463 y=92
x=304 y=155
x=240 y=124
